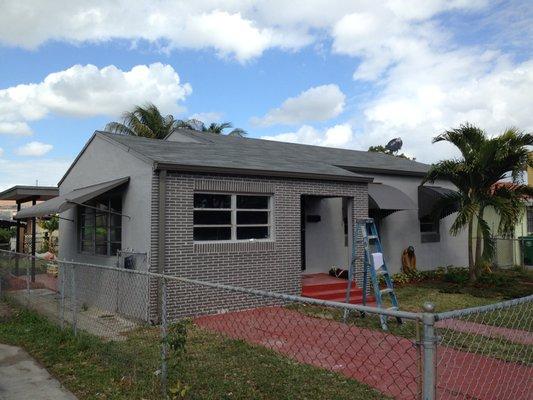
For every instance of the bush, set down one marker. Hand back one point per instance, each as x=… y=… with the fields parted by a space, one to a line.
x=498 y=279
x=5 y=235
x=457 y=275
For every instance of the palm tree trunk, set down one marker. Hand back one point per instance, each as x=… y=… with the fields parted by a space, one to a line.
x=470 y=244
x=477 y=261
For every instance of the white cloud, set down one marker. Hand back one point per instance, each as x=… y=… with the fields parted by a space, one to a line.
x=14 y=128
x=318 y=103
x=240 y=29
x=85 y=91
x=337 y=136
x=1 y=152
x=46 y=171
x=34 y=149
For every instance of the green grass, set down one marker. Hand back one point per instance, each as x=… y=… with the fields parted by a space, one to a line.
x=213 y=367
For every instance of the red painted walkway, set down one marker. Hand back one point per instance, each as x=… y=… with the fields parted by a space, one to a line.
x=497 y=332
x=384 y=361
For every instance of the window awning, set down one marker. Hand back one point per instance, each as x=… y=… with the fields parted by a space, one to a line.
x=387 y=199
x=429 y=198
x=64 y=202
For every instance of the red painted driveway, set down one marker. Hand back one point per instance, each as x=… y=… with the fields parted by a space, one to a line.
x=388 y=363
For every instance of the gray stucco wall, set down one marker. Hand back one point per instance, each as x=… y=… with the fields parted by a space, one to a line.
x=401 y=229
x=325 y=242
x=273 y=265
x=100 y=162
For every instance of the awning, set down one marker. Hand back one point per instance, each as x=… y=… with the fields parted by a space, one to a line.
x=64 y=202
x=429 y=198
x=387 y=199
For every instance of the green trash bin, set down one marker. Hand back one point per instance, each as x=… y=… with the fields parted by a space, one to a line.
x=527 y=248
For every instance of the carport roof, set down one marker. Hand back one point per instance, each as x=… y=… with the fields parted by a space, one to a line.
x=27 y=193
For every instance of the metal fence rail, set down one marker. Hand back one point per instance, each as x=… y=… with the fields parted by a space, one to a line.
x=483 y=353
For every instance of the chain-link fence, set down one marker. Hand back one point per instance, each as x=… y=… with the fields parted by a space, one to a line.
x=486 y=352
x=482 y=353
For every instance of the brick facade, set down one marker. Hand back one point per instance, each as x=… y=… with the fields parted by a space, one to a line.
x=273 y=265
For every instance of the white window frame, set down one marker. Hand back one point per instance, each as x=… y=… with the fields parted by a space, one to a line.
x=233 y=210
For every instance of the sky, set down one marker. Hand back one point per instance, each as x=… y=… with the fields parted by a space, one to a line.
x=337 y=73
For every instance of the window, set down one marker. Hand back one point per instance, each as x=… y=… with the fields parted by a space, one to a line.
x=530 y=220
x=101 y=226
x=231 y=217
x=429 y=229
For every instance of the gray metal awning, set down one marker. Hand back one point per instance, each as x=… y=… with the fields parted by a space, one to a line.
x=387 y=199
x=64 y=202
x=429 y=198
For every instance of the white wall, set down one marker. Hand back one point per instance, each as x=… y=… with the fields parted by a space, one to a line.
x=101 y=162
x=401 y=229
x=324 y=240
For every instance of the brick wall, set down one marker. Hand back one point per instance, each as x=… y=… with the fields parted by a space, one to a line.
x=274 y=266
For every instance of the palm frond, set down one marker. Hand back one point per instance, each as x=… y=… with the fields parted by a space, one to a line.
x=118 y=128
x=238 y=132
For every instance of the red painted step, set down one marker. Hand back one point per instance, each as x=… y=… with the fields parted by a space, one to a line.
x=325 y=287
x=331 y=294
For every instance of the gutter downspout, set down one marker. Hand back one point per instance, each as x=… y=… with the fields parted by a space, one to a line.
x=161 y=237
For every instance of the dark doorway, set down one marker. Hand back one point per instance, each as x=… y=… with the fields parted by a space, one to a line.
x=302 y=231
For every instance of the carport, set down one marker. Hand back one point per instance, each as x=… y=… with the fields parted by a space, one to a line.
x=22 y=195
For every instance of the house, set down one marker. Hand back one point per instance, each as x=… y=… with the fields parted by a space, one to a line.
x=509 y=248
x=240 y=211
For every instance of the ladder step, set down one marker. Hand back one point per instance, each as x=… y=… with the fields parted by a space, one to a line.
x=393 y=308
x=382 y=271
x=372 y=237
x=385 y=291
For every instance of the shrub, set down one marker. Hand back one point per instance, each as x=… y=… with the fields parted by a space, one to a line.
x=5 y=235
x=458 y=275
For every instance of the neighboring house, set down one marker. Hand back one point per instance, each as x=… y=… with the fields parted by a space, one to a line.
x=240 y=211
x=509 y=248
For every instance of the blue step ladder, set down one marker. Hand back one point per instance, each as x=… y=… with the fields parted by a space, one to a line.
x=366 y=236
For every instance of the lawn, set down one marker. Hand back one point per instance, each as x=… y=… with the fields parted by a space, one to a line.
x=213 y=367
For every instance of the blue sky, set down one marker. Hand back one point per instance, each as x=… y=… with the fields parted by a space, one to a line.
x=337 y=73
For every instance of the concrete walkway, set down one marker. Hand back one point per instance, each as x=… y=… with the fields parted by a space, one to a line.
x=21 y=378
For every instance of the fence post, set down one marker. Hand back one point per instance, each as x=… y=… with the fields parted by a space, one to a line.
x=429 y=343
x=164 y=342
x=28 y=284
x=74 y=302
x=61 y=271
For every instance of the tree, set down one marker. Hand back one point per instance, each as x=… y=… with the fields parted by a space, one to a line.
x=382 y=149
x=50 y=225
x=146 y=121
x=484 y=161
x=218 y=128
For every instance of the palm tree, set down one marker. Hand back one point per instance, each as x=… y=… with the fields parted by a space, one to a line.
x=146 y=121
x=484 y=161
x=218 y=128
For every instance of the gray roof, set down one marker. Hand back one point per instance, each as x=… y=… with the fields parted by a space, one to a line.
x=199 y=151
